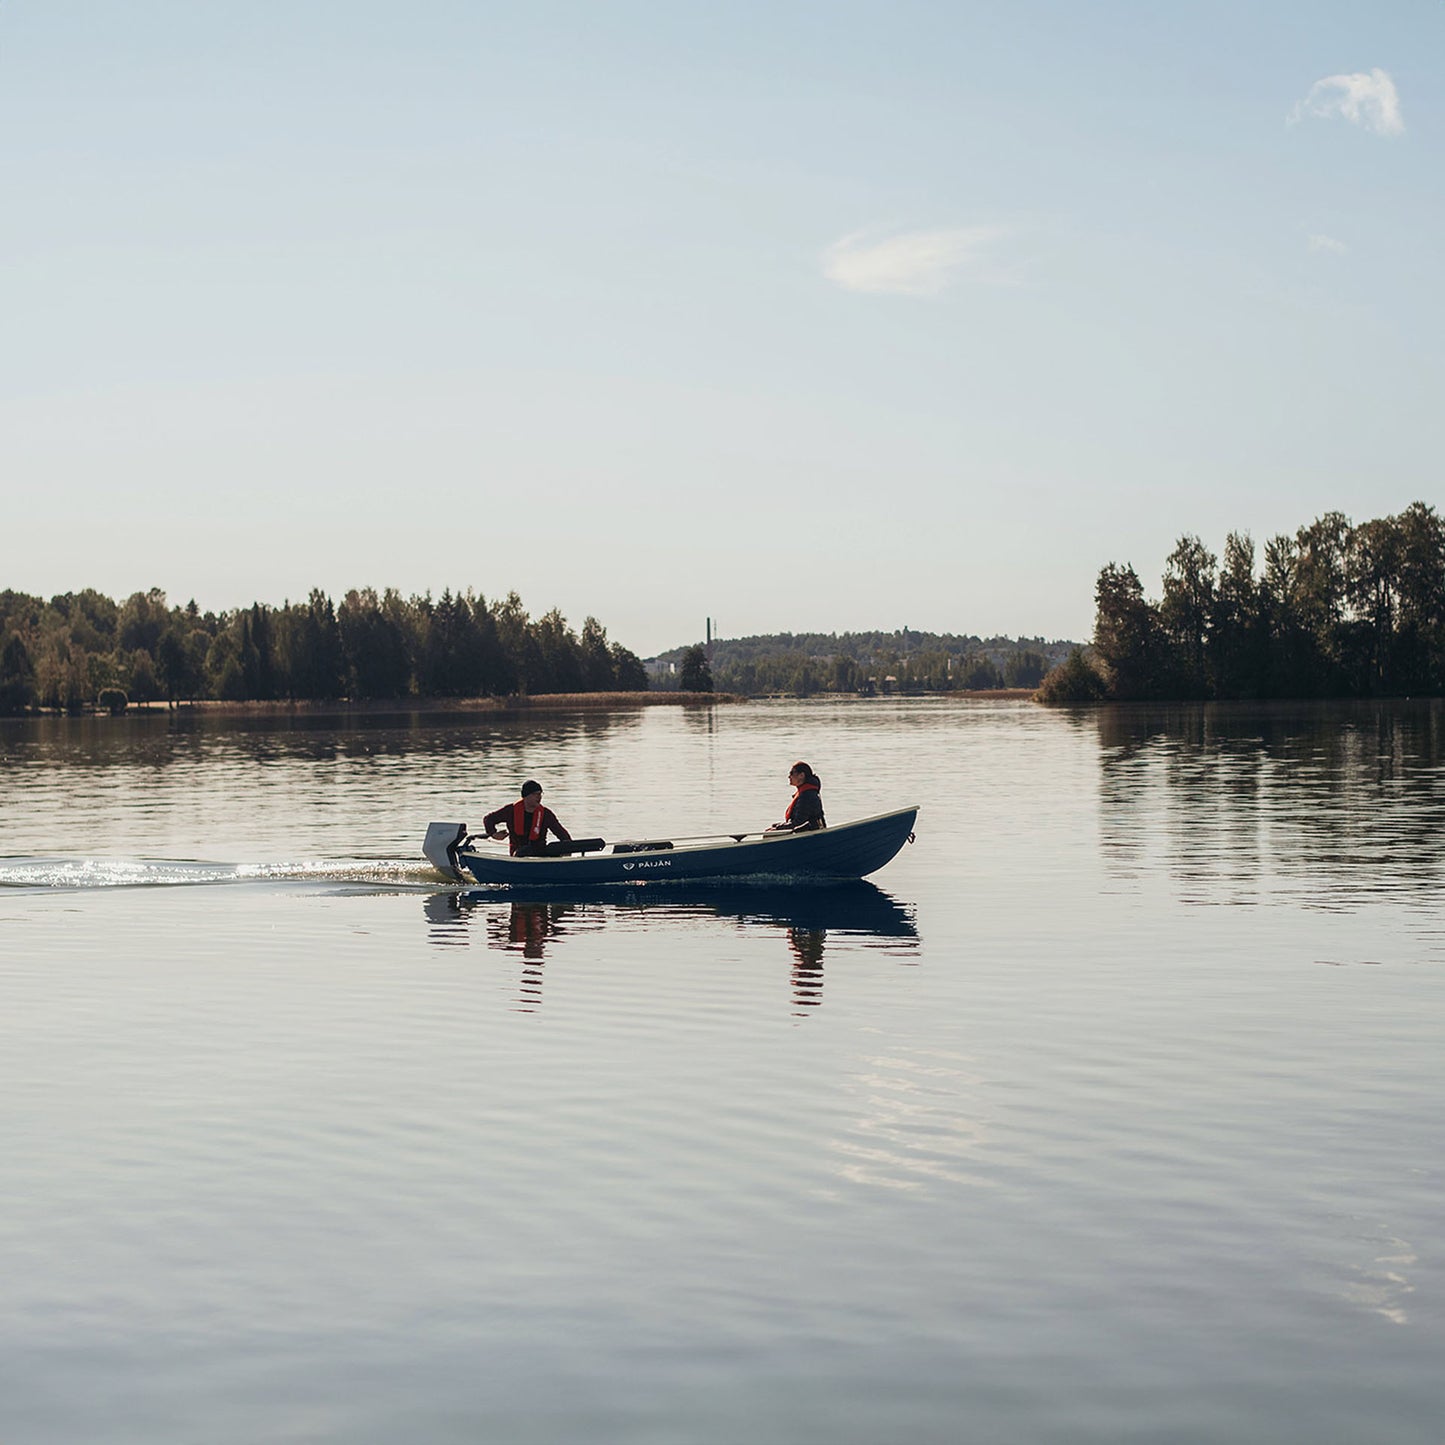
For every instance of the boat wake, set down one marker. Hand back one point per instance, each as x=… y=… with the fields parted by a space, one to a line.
x=43 y=874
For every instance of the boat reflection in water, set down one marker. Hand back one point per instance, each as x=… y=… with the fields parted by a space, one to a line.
x=811 y=919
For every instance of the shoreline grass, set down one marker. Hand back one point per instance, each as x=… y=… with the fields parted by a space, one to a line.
x=518 y=703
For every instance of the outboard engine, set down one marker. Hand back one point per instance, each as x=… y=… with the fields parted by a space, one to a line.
x=440 y=846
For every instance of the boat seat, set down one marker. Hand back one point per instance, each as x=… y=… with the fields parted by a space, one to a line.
x=634 y=846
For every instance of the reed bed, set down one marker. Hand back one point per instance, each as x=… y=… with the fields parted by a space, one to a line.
x=519 y=703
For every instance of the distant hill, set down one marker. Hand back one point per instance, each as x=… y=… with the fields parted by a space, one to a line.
x=901 y=661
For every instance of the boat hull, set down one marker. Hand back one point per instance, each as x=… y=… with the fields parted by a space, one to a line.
x=851 y=850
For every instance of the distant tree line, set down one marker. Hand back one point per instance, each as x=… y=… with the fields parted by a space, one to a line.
x=81 y=648
x=802 y=664
x=800 y=674
x=1337 y=610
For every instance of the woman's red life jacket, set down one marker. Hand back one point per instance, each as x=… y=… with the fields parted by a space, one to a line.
x=802 y=788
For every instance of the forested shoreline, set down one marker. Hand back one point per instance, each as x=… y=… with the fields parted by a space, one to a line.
x=82 y=649
x=1338 y=610
x=905 y=661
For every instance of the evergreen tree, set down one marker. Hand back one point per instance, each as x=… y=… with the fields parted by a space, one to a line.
x=1127 y=634
x=17 y=677
x=559 y=654
x=455 y=653
x=510 y=620
x=250 y=659
x=374 y=645
x=312 y=648
x=498 y=672
x=263 y=640
x=695 y=674
x=1025 y=669
x=598 y=673
x=977 y=674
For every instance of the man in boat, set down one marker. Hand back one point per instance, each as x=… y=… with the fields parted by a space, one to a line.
x=526 y=823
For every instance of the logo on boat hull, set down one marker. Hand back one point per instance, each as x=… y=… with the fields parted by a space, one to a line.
x=658 y=863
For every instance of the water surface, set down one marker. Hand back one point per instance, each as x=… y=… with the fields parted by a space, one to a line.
x=1107 y=1111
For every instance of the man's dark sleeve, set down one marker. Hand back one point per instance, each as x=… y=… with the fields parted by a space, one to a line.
x=500 y=816
x=557 y=828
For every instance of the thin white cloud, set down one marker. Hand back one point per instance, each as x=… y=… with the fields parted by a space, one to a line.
x=1367 y=98
x=1328 y=243
x=912 y=263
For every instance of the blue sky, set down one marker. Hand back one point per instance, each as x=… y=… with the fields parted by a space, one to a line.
x=798 y=316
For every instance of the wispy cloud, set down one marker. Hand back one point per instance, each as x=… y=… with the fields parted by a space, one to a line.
x=912 y=263
x=1328 y=243
x=1367 y=98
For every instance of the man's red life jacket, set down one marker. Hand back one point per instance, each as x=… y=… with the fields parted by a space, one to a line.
x=802 y=788
x=520 y=829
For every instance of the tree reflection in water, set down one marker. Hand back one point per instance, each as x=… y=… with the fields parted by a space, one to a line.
x=1330 y=801
x=851 y=914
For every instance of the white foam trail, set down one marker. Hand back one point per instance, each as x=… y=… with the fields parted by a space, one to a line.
x=86 y=873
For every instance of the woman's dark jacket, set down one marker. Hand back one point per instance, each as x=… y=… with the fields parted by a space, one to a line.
x=806 y=812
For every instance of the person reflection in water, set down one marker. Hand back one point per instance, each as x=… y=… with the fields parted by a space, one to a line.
x=807 y=945
x=529 y=928
x=526 y=929
x=805 y=812
x=525 y=825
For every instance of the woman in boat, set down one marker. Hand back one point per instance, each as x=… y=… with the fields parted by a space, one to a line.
x=525 y=825
x=805 y=812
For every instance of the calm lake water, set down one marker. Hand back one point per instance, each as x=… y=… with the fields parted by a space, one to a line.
x=1109 y=1111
